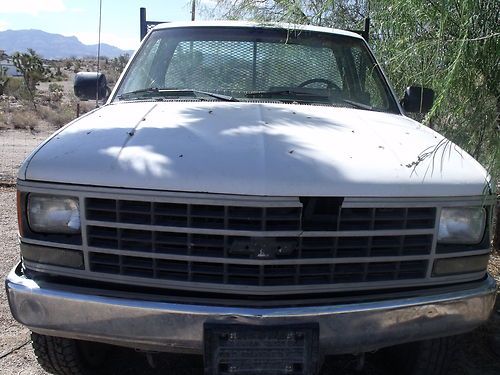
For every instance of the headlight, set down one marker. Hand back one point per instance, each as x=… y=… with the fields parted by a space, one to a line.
x=53 y=214
x=463 y=225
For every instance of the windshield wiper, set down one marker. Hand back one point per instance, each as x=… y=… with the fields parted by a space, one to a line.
x=156 y=92
x=358 y=105
x=296 y=93
x=290 y=92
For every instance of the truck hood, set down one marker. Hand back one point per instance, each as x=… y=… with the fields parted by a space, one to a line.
x=255 y=149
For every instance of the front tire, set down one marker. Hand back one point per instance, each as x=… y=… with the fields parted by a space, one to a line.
x=62 y=356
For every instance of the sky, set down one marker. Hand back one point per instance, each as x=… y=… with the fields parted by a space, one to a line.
x=80 y=18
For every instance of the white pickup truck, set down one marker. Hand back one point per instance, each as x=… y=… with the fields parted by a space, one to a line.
x=253 y=193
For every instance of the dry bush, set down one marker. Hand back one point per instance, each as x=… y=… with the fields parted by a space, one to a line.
x=56 y=92
x=59 y=116
x=3 y=121
x=25 y=119
x=86 y=107
x=16 y=88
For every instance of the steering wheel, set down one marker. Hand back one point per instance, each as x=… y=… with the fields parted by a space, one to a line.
x=329 y=84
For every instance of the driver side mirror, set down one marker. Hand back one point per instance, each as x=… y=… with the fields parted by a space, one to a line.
x=88 y=85
x=417 y=99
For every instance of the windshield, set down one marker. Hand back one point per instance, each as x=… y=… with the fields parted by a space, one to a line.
x=256 y=64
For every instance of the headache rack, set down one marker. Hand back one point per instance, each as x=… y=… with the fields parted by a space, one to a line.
x=147 y=25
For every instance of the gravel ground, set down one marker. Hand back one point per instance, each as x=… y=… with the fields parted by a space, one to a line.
x=474 y=355
x=15 y=145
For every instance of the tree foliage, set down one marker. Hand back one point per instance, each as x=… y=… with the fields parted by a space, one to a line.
x=452 y=46
x=4 y=80
x=31 y=67
x=115 y=66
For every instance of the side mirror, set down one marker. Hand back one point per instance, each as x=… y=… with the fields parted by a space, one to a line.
x=417 y=99
x=89 y=84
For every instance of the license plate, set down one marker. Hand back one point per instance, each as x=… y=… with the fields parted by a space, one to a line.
x=240 y=349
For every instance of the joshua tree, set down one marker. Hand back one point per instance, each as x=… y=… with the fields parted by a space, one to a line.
x=31 y=67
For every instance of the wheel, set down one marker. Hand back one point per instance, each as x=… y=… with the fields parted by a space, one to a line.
x=429 y=357
x=62 y=356
x=329 y=84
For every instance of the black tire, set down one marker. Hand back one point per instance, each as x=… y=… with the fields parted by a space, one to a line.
x=429 y=357
x=62 y=356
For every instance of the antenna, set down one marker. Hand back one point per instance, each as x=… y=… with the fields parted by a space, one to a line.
x=98 y=57
x=193 y=10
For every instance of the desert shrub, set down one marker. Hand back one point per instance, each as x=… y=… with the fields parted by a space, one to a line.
x=56 y=92
x=59 y=116
x=86 y=107
x=16 y=88
x=77 y=66
x=3 y=79
x=25 y=119
x=53 y=87
x=3 y=121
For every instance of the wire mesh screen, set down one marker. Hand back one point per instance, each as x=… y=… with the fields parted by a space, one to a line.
x=246 y=66
x=150 y=25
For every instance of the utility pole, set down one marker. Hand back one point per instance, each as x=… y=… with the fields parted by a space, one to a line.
x=193 y=10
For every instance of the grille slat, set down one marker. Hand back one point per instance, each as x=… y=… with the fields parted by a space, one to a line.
x=360 y=257
x=313 y=247
x=275 y=275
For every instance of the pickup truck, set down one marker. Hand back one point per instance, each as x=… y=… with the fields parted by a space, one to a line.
x=253 y=193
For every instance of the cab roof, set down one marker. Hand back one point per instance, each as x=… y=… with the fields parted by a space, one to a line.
x=270 y=25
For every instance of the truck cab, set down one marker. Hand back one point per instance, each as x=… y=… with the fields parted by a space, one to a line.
x=251 y=186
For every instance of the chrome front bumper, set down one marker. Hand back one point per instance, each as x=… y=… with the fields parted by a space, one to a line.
x=171 y=327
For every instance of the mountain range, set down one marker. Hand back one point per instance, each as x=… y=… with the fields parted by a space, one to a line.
x=52 y=46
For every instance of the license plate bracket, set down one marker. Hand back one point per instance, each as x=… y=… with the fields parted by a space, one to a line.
x=241 y=349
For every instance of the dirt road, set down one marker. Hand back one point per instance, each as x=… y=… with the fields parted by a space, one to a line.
x=473 y=358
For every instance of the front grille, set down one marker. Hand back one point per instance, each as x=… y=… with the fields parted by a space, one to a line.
x=304 y=243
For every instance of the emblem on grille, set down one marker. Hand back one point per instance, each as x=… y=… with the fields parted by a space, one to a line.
x=268 y=248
